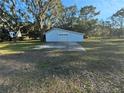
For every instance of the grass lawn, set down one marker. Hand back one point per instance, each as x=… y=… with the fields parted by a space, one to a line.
x=18 y=47
x=98 y=70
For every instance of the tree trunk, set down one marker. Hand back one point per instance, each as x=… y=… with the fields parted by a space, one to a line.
x=41 y=36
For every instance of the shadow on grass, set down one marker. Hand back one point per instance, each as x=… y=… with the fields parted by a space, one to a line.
x=97 y=70
x=9 y=47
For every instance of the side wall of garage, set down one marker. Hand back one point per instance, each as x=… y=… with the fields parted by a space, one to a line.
x=56 y=35
x=52 y=36
x=73 y=37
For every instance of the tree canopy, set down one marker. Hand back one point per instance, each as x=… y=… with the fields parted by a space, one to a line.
x=41 y=15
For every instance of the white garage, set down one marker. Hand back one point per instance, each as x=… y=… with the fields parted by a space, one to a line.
x=61 y=35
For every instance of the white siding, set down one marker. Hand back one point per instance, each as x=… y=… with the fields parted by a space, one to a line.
x=52 y=36
x=59 y=35
x=75 y=37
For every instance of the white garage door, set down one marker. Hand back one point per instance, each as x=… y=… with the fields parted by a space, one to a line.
x=63 y=37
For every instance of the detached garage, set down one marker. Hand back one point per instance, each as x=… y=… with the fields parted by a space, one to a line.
x=61 y=35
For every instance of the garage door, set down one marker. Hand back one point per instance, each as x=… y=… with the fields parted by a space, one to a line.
x=63 y=37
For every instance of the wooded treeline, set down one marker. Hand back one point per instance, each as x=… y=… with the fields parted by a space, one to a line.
x=34 y=17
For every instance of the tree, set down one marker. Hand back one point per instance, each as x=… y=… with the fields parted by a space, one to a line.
x=12 y=13
x=118 y=18
x=43 y=12
x=68 y=17
x=88 y=12
x=87 y=18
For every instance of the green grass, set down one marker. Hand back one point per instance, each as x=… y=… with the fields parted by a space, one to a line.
x=20 y=46
x=100 y=69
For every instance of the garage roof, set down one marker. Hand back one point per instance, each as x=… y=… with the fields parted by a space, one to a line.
x=64 y=30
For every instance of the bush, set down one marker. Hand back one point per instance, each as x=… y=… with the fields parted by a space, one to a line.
x=4 y=35
x=85 y=37
x=34 y=34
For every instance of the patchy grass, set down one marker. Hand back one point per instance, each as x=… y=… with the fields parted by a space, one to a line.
x=98 y=70
x=18 y=47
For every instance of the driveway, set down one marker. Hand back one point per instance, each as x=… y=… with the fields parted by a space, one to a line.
x=63 y=46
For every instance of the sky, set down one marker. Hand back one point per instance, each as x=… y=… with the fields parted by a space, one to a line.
x=106 y=7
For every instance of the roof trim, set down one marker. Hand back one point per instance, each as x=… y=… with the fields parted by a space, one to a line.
x=64 y=30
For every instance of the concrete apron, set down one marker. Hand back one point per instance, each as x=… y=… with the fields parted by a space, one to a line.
x=62 y=46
